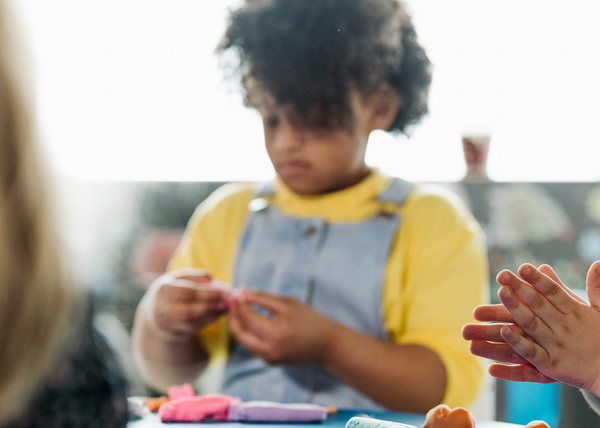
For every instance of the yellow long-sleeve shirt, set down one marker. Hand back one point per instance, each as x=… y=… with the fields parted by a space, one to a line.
x=436 y=273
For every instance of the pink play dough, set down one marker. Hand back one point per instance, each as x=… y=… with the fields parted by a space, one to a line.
x=185 y=390
x=194 y=409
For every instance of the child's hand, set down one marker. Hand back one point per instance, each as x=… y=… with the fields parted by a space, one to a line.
x=184 y=301
x=558 y=334
x=293 y=333
x=487 y=342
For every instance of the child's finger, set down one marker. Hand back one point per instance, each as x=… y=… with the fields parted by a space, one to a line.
x=551 y=292
x=507 y=277
x=173 y=322
x=271 y=302
x=237 y=317
x=242 y=331
x=492 y=313
x=525 y=347
x=251 y=321
x=245 y=338
x=190 y=291
x=212 y=297
x=188 y=325
x=488 y=332
x=549 y=272
x=176 y=291
x=548 y=285
x=194 y=314
x=496 y=351
x=530 y=309
x=524 y=316
x=192 y=274
x=593 y=285
x=519 y=373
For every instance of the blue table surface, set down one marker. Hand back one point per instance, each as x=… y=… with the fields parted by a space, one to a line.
x=337 y=420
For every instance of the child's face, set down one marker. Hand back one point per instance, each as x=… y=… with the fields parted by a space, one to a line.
x=315 y=161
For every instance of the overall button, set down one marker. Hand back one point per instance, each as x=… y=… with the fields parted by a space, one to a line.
x=383 y=216
x=258 y=204
x=310 y=231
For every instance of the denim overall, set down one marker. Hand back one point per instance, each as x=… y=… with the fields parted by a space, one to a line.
x=337 y=268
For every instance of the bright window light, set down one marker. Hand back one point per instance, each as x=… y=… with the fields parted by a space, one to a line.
x=130 y=90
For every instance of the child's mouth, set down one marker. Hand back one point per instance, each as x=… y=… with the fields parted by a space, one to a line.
x=293 y=167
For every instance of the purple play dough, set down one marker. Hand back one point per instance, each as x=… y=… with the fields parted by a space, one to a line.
x=266 y=411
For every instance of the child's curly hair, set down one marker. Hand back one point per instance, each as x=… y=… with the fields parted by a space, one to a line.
x=311 y=53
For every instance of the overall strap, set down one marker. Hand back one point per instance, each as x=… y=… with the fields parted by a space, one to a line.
x=396 y=192
x=263 y=194
x=265 y=189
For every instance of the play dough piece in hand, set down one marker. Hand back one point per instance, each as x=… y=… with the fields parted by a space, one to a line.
x=194 y=409
x=268 y=411
x=185 y=390
x=361 y=422
x=443 y=417
x=537 y=424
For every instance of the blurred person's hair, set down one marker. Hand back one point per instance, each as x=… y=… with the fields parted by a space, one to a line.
x=310 y=54
x=35 y=294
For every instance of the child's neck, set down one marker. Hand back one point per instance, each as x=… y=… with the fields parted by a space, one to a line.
x=336 y=187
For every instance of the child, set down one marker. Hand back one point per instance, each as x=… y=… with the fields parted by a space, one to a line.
x=356 y=284
x=546 y=333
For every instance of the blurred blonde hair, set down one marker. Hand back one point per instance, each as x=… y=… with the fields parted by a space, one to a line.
x=35 y=296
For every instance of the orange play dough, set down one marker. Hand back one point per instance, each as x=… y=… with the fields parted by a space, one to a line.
x=154 y=403
x=537 y=424
x=443 y=417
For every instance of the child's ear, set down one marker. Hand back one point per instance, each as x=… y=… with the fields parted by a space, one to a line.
x=385 y=103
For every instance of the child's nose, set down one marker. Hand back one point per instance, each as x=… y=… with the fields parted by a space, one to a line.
x=289 y=137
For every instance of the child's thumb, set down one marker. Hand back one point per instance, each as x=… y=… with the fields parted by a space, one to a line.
x=593 y=285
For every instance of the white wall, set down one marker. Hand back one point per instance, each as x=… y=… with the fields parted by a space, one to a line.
x=130 y=89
